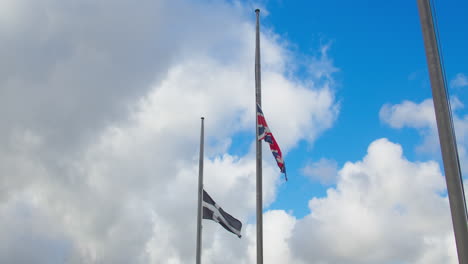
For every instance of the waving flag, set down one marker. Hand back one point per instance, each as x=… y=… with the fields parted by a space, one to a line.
x=212 y=211
x=265 y=133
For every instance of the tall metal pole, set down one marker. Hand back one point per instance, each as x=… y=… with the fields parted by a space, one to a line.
x=447 y=139
x=258 y=100
x=200 y=193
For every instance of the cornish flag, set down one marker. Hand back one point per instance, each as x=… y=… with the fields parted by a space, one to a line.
x=265 y=133
x=212 y=211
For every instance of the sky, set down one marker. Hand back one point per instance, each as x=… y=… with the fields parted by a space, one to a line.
x=100 y=103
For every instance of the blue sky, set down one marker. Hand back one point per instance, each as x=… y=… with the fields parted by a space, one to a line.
x=100 y=103
x=379 y=52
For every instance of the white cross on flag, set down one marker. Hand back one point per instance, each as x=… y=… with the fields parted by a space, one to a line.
x=214 y=212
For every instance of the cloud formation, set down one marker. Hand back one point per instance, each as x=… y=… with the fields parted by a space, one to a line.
x=324 y=170
x=421 y=117
x=101 y=102
x=384 y=209
x=460 y=80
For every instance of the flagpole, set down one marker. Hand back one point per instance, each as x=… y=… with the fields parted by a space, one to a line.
x=200 y=193
x=447 y=138
x=258 y=100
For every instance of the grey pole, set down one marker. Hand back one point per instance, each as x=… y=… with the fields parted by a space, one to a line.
x=258 y=100
x=447 y=139
x=200 y=193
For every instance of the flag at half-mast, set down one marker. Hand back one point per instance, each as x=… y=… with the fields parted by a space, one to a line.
x=212 y=211
x=265 y=134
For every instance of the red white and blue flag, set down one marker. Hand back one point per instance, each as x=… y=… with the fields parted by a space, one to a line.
x=265 y=133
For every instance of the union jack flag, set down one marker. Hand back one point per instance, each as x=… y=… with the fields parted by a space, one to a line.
x=265 y=133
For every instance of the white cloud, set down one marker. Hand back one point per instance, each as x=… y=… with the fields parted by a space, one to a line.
x=100 y=140
x=422 y=117
x=323 y=69
x=324 y=170
x=460 y=80
x=385 y=209
x=277 y=231
x=409 y=114
x=101 y=106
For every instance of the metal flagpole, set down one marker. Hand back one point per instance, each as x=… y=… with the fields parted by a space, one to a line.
x=200 y=193
x=258 y=100
x=447 y=139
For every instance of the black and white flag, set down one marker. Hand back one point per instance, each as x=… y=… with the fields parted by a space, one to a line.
x=213 y=212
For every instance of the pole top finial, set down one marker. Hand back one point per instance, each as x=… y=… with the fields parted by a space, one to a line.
x=202 y=117
x=257 y=10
